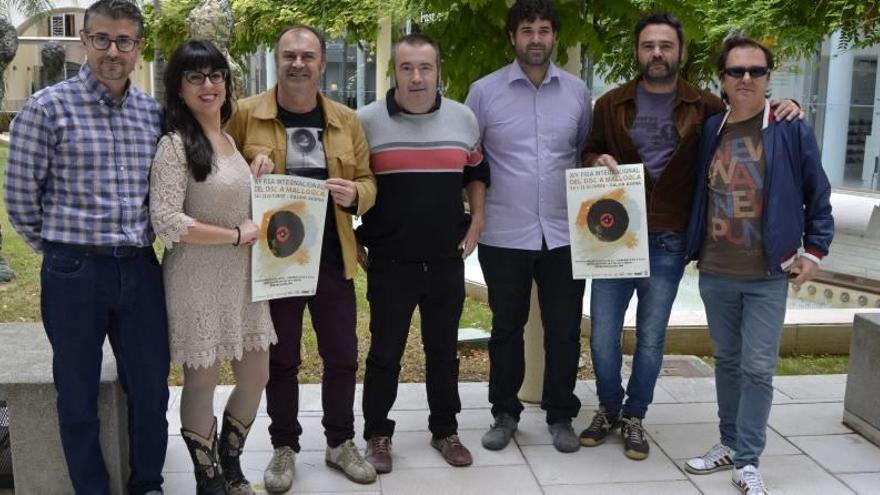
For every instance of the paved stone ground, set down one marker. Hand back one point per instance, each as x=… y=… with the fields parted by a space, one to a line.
x=808 y=450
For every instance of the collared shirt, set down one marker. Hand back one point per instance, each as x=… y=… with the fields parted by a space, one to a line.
x=79 y=165
x=530 y=137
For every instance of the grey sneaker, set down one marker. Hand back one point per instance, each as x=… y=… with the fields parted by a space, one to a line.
x=347 y=459
x=278 y=475
x=500 y=433
x=564 y=438
x=719 y=457
x=749 y=481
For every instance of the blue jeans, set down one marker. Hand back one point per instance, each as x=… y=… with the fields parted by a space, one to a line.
x=745 y=321
x=85 y=299
x=608 y=303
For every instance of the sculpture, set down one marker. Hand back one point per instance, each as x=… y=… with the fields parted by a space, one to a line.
x=212 y=20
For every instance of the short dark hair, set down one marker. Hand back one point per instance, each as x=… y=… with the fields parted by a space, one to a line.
x=415 y=39
x=194 y=55
x=740 y=42
x=530 y=11
x=661 y=17
x=115 y=9
x=305 y=27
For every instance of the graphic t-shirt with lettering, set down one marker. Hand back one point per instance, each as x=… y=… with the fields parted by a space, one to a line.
x=733 y=245
x=306 y=158
x=653 y=130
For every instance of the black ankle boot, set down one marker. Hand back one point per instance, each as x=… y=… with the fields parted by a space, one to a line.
x=203 y=451
x=232 y=437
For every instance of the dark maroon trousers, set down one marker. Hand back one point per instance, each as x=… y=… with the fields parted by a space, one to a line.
x=333 y=313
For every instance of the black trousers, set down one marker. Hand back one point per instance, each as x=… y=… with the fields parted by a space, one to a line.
x=394 y=290
x=509 y=274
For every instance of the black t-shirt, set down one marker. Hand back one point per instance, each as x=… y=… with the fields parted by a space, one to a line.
x=306 y=158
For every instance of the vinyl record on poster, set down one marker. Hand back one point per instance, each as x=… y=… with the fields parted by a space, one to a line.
x=285 y=233
x=607 y=220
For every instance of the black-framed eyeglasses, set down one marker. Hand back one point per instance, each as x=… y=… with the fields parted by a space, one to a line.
x=102 y=42
x=197 y=77
x=754 y=71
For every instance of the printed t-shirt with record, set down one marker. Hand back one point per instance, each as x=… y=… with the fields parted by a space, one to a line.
x=734 y=243
x=306 y=158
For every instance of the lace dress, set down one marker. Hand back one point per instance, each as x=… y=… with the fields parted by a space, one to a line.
x=207 y=287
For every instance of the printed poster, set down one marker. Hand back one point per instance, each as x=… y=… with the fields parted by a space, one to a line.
x=290 y=212
x=608 y=222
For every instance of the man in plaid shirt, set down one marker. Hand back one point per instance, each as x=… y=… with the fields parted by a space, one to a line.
x=77 y=179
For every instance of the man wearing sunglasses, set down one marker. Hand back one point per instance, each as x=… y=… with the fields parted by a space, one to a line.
x=655 y=119
x=77 y=180
x=762 y=197
x=293 y=129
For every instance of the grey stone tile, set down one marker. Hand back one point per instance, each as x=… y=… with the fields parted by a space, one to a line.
x=783 y=475
x=841 y=453
x=863 y=483
x=643 y=488
x=474 y=395
x=683 y=441
x=586 y=392
x=813 y=387
x=179 y=483
x=489 y=480
x=177 y=458
x=822 y=418
x=668 y=414
x=661 y=396
x=468 y=419
x=689 y=389
x=597 y=465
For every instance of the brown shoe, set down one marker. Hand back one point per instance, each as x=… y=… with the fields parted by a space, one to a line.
x=453 y=451
x=378 y=454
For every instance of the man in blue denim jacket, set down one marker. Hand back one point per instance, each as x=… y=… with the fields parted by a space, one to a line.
x=761 y=196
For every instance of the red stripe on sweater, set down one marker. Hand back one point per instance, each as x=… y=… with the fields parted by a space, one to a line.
x=419 y=160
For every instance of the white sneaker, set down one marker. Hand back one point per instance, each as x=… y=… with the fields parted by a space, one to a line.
x=346 y=458
x=719 y=457
x=749 y=481
x=278 y=475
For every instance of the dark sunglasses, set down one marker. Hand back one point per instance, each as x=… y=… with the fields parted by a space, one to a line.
x=197 y=77
x=740 y=72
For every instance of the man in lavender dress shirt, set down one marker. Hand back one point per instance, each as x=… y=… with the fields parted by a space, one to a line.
x=533 y=118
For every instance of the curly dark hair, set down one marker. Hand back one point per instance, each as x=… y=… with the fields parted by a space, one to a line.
x=530 y=11
x=194 y=55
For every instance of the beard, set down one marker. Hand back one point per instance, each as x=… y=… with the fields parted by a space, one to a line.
x=659 y=71
x=528 y=57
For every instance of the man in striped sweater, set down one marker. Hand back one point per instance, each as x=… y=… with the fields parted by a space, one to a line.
x=423 y=149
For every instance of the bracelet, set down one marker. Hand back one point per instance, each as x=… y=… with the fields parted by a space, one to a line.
x=238 y=237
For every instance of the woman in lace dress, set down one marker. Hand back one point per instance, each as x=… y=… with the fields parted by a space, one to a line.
x=200 y=208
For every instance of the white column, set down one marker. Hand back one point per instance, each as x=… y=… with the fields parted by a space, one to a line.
x=383 y=57
x=271 y=75
x=533 y=384
x=361 y=73
x=840 y=72
x=872 y=142
x=574 y=64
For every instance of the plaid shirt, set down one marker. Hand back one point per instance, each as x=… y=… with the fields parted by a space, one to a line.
x=79 y=165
